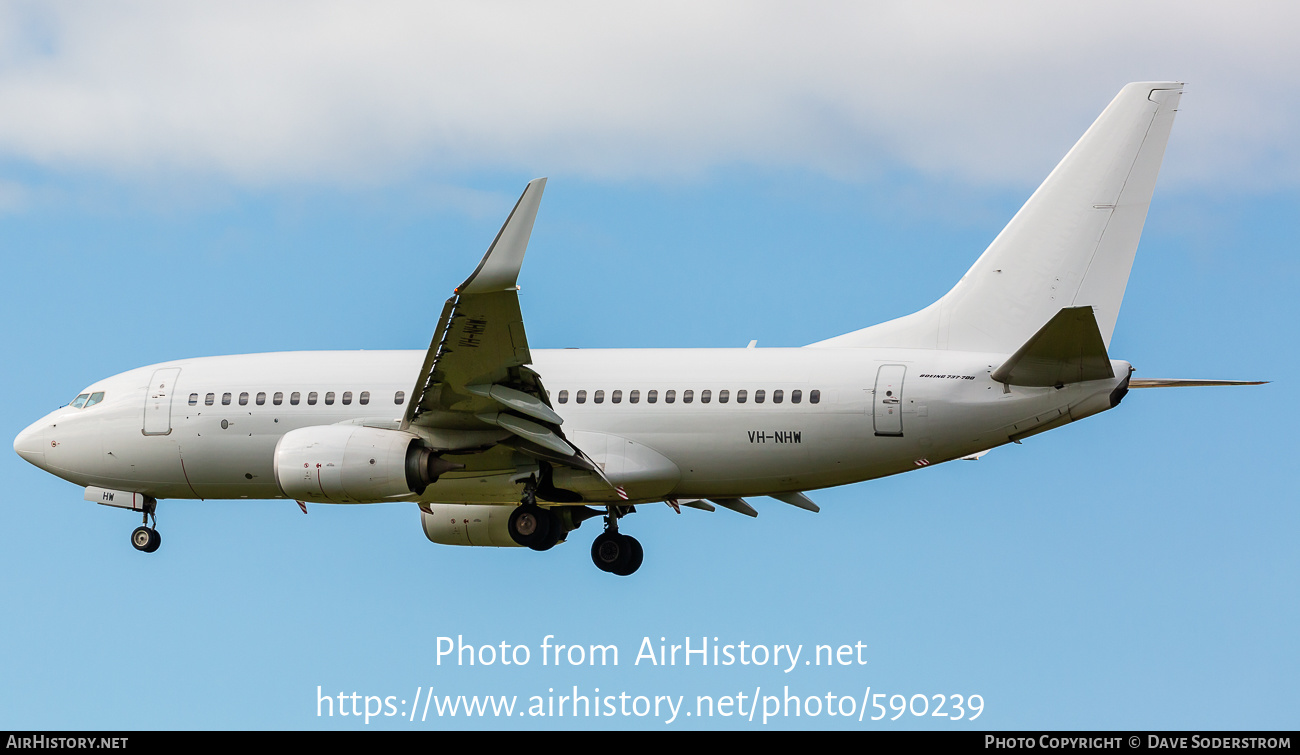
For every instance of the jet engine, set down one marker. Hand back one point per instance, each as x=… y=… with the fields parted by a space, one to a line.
x=487 y=524
x=467 y=524
x=354 y=464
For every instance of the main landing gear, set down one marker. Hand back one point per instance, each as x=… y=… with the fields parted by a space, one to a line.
x=541 y=529
x=533 y=526
x=146 y=538
x=614 y=552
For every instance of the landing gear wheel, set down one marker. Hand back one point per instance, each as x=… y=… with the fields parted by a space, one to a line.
x=146 y=539
x=634 y=558
x=616 y=554
x=554 y=532
x=530 y=525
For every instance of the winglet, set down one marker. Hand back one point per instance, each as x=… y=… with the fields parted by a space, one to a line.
x=499 y=268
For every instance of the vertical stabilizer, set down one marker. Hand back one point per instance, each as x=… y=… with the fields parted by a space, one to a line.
x=1071 y=245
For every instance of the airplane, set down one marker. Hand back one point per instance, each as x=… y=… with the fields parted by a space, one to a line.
x=499 y=444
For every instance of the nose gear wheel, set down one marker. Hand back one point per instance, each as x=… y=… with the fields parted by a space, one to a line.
x=146 y=539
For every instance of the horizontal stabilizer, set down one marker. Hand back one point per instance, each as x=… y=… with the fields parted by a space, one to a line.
x=1068 y=349
x=798 y=500
x=738 y=505
x=1175 y=383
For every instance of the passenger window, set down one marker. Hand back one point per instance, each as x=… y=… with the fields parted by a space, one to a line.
x=651 y=397
x=329 y=398
x=210 y=399
x=311 y=398
x=95 y=398
x=347 y=398
x=582 y=397
x=261 y=398
x=278 y=398
x=243 y=399
x=295 y=397
x=364 y=398
x=723 y=395
x=599 y=398
x=225 y=399
x=777 y=395
x=194 y=399
x=670 y=396
x=741 y=395
x=564 y=396
x=687 y=396
x=796 y=396
x=616 y=397
x=400 y=398
x=814 y=397
x=759 y=395
x=80 y=401
x=634 y=397
x=705 y=395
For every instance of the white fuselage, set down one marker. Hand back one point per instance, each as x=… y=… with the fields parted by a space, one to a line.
x=941 y=405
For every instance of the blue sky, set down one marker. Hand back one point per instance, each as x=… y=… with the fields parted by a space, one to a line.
x=190 y=182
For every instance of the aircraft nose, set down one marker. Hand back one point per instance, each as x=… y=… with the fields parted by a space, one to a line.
x=30 y=444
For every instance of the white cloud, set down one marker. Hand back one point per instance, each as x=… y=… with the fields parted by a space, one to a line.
x=266 y=93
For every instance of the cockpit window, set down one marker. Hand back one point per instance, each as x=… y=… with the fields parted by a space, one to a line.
x=80 y=401
x=95 y=398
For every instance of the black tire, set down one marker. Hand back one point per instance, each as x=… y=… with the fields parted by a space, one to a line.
x=530 y=525
x=635 y=556
x=155 y=540
x=554 y=531
x=141 y=539
x=611 y=552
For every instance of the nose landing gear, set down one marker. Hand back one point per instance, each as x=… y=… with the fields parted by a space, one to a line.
x=146 y=538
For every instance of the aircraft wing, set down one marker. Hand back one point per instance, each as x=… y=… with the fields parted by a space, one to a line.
x=475 y=388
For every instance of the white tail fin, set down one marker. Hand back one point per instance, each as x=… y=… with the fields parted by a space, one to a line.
x=1071 y=245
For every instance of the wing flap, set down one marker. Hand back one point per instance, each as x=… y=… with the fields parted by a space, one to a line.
x=738 y=505
x=798 y=500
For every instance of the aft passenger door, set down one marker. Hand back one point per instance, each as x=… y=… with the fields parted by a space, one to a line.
x=158 y=401
x=888 y=400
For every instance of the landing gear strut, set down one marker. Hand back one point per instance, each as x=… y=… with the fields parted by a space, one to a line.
x=614 y=552
x=146 y=538
x=533 y=526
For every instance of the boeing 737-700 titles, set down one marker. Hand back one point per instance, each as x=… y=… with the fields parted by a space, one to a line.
x=499 y=444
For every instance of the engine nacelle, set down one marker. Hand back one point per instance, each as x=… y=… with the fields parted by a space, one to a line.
x=486 y=524
x=467 y=524
x=354 y=464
